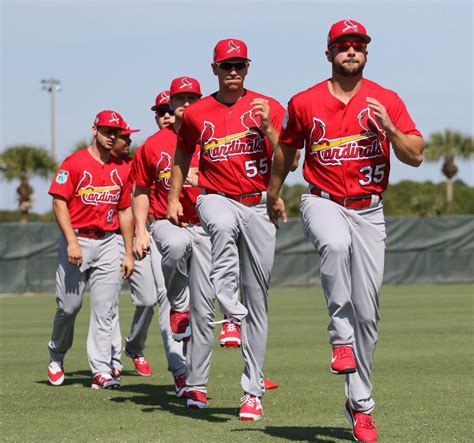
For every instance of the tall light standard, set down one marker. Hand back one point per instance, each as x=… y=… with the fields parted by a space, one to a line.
x=52 y=85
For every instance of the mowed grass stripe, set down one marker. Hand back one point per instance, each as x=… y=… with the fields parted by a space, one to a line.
x=422 y=376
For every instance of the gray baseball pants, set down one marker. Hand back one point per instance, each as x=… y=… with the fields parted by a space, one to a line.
x=194 y=246
x=101 y=268
x=351 y=244
x=175 y=246
x=147 y=288
x=242 y=249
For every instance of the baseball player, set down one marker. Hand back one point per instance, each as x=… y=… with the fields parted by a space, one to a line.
x=346 y=125
x=235 y=129
x=147 y=287
x=164 y=115
x=174 y=244
x=91 y=200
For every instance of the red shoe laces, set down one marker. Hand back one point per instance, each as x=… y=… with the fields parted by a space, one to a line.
x=343 y=351
x=230 y=327
x=365 y=421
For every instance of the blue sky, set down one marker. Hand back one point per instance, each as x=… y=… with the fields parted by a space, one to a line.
x=120 y=54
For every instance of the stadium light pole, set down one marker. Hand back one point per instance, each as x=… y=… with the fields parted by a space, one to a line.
x=52 y=85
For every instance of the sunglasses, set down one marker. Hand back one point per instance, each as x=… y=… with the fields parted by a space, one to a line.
x=344 y=46
x=108 y=131
x=162 y=111
x=231 y=66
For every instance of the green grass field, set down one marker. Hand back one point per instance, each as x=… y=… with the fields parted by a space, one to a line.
x=422 y=377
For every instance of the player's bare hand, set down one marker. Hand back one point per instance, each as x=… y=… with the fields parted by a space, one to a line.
x=380 y=114
x=261 y=108
x=174 y=213
x=127 y=267
x=276 y=209
x=74 y=253
x=141 y=245
x=192 y=178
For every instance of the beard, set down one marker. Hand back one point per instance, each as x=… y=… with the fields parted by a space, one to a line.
x=349 y=70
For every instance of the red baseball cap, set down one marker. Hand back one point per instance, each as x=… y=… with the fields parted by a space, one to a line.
x=230 y=48
x=128 y=130
x=110 y=118
x=347 y=27
x=185 y=84
x=162 y=99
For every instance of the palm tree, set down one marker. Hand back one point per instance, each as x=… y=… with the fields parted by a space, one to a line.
x=449 y=145
x=22 y=162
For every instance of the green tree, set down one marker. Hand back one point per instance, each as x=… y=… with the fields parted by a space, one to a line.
x=22 y=162
x=448 y=146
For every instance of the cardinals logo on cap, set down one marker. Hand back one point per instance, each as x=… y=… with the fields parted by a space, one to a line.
x=164 y=98
x=233 y=47
x=114 y=119
x=350 y=26
x=185 y=83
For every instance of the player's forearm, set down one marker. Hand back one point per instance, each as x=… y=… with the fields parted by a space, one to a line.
x=272 y=135
x=179 y=172
x=140 y=205
x=63 y=218
x=407 y=147
x=126 y=228
x=283 y=159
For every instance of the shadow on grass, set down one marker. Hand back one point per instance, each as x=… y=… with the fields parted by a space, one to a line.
x=163 y=398
x=299 y=433
x=152 y=397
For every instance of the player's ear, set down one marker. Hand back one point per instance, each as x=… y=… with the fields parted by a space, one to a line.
x=214 y=68
x=329 y=55
x=94 y=131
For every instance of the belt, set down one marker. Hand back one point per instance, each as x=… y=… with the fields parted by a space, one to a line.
x=192 y=221
x=91 y=233
x=253 y=198
x=358 y=202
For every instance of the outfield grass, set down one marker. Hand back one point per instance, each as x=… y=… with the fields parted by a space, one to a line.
x=422 y=377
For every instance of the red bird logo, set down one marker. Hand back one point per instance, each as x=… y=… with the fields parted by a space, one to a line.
x=368 y=122
x=318 y=131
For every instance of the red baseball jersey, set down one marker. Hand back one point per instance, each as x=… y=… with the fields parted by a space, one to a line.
x=94 y=191
x=153 y=162
x=347 y=154
x=235 y=153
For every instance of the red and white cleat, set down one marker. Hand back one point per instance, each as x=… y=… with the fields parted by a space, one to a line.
x=230 y=334
x=105 y=381
x=56 y=373
x=180 y=385
x=250 y=408
x=363 y=426
x=343 y=360
x=196 y=399
x=142 y=366
x=179 y=323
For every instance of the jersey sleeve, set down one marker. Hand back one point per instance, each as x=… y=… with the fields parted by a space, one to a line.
x=401 y=118
x=126 y=195
x=143 y=168
x=292 y=134
x=278 y=116
x=63 y=182
x=188 y=136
